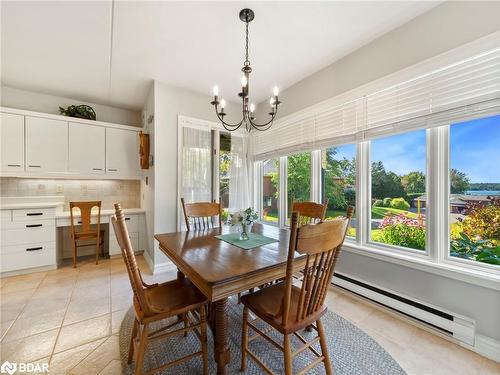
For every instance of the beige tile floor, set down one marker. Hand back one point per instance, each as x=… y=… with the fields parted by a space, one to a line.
x=71 y=317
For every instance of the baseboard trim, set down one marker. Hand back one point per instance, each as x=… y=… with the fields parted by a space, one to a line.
x=487 y=347
x=149 y=261
x=164 y=267
x=26 y=271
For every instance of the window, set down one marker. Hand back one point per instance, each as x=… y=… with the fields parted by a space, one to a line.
x=475 y=190
x=338 y=176
x=298 y=179
x=270 y=189
x=224 y=170
x=398 y=190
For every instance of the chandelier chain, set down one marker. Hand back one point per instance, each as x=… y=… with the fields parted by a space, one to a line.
x=247 y=62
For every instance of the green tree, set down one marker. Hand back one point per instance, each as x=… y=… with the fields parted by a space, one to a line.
x=459 y=182
x=299 y=177
x=338 y=175
x=414 y=182
x=385 y=184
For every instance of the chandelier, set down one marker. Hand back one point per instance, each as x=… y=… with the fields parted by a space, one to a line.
x=248 y=118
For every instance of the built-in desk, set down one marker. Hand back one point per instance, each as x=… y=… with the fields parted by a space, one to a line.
x=33 y=235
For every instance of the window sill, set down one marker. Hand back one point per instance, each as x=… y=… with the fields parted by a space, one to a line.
x=469 y=275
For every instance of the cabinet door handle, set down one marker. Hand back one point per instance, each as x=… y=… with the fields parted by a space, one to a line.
x=112 y=169
x=13 y=165
x=97 y=169
x=79 y=222
x=127 y=218
x=33 y=225
x=34 y=214
x=34 y=248
x=35 y=166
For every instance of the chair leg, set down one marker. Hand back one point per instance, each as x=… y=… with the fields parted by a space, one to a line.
x=142 y=348
x=132 y=338
x=324 y=348
x=244 y=339
x=74 y=252
x=185 y=319
x=97 y=250
x=288 y=355
x=204 y=347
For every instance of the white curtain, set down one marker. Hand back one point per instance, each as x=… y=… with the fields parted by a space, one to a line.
x=196 y=172
x=239 y=174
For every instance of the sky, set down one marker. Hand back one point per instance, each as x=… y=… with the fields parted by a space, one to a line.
x=474 y=149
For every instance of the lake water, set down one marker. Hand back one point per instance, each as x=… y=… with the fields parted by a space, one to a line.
x=483 y=192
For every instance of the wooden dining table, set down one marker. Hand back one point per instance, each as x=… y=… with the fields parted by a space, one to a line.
x=220 y=270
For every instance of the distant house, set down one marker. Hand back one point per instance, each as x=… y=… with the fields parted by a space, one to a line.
x=458 y=202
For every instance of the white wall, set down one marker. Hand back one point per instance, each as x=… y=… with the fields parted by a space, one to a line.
x=34 y=101
x=445 y=27
x=169 y=103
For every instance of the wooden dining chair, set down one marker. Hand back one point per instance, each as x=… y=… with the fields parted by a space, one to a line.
x=201 y=215
x=86 y=232
x=289 y=308
x=310 y=212
x=156 y=302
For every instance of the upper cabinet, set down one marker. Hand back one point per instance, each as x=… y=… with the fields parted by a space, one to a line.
x=122 y=153
x=46 y=145
x=87 y=149
x=12 y=142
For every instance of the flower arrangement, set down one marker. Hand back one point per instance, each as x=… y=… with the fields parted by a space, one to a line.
x=245 y=218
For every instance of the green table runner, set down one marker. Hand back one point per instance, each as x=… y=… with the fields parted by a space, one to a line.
x=254 y=240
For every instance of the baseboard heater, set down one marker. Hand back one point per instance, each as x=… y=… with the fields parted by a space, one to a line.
x=459 y=327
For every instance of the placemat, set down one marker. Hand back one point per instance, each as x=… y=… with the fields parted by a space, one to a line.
x=254 y=240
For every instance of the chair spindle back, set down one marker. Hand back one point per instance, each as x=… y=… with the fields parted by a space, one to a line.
x=309 y=212
x=201 y=215
x=321 y=244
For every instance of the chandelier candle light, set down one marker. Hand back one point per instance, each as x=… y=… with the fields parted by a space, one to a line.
x=246 y=15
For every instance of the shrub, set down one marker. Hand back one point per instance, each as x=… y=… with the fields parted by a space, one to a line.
x=399 y=203
x=483 y=221
x=378 y=203
x=387 y=202
x=480 y=250
x=400 y=230
x=350 y=197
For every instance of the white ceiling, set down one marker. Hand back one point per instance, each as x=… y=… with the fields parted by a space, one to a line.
x=66 y=48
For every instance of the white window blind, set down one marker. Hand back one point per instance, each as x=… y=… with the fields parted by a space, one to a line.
x=464 y=89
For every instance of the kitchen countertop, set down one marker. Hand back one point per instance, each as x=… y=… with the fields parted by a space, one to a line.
x=108 y=212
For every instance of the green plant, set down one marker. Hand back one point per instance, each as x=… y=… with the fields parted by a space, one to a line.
x=79 y=111
x=386 y=202
x=378 y=203
x=399 y=203
x=483 y=221
x=401 y=230
x=478 y=250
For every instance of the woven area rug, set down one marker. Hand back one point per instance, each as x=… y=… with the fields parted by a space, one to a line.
x=351 y=350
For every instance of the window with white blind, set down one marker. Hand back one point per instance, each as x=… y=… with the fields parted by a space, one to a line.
x=406 y=133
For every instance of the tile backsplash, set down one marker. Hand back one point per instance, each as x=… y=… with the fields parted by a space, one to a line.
x=126 y=192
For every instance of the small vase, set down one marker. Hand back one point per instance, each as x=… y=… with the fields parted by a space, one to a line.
x=245 y=229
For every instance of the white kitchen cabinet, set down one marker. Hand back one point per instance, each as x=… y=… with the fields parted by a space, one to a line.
x=46 y=145
x=135 y=231
x=12 y=142
x=122 y=153
x=87 y=149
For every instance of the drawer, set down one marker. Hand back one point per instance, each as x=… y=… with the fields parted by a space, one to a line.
x=28 y=233
x=114 y=248
x=5 y=215
x=27 y=256
x=33 y=214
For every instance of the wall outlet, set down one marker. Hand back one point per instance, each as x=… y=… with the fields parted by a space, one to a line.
x=41 y=187
x=85 y=189
x=59 y=189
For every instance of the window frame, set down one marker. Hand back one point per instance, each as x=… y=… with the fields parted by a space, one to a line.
x=436 y=256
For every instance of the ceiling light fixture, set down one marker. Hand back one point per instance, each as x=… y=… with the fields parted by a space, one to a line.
x=246 y=15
